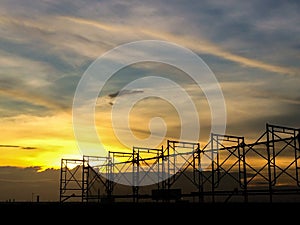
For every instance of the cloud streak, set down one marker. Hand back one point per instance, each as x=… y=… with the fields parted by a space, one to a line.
x=200 y=45
x=9 y=146
x=16 y=146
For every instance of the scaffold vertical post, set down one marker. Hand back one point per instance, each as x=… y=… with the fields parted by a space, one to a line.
x=200 y=173
x=62 y=179
x=242 y=167
x=297 y=155
x=270 y=161
x=168 y=165
x=135 y=174
x=212 y=168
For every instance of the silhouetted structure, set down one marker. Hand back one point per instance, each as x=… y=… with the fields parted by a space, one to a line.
x=226 y=169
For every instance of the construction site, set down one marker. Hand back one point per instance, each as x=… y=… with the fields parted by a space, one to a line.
x=226 y=169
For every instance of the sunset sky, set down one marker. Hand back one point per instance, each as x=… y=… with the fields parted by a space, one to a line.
x=46 y=46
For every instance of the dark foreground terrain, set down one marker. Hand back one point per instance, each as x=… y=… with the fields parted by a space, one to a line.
x=155 y=213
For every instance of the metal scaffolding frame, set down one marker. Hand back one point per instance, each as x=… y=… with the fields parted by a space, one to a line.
x=235 y=152
x=225 y=169
x=71 y=180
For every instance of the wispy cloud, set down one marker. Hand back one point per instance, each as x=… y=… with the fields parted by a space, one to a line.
x=197 y=44
x=94 y=24
x=16 y=146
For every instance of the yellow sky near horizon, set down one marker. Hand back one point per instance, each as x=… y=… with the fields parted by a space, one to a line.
x=40 y=145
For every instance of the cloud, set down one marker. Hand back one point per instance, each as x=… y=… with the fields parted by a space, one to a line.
x=125 y=92
x=31 y=181
x=230 y=17
x=63 y=42
x=9 y=146
x=29 y=148
x=110 y=98
x=122 y=93
x=31 y=98
x=95 y=24
x=200 y=45
x=266 y=101
x=16 y=146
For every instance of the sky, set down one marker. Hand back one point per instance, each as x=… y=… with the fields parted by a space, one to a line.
x=46 y=46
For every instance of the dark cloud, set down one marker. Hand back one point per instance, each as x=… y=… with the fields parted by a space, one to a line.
x=29 y=148
x=9 y=146
x=17 y=146
x=31 y=182
x=122 y=93
x=125 y=92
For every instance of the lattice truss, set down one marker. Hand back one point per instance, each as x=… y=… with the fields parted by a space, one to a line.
x=225 y=169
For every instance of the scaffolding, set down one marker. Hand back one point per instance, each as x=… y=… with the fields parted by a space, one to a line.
x=225 y=169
